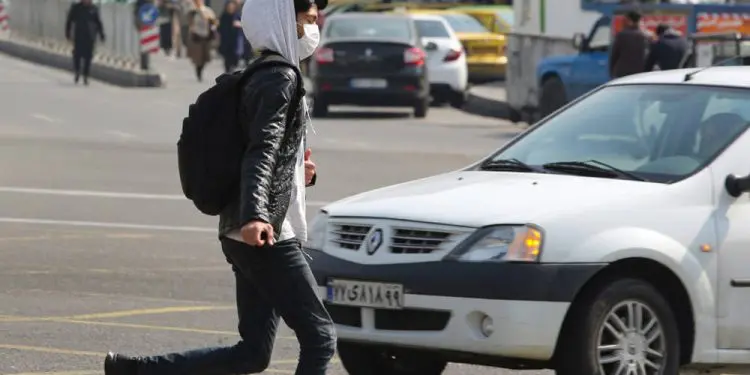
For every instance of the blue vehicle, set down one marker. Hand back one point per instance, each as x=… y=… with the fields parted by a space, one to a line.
x=562 y=79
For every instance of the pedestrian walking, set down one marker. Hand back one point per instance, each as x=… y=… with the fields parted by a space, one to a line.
x=83 y=25
x=628 y=53
x=230 y=44
x=262 y=230
x=167 y=10
x=668 y=51
x=202 y=24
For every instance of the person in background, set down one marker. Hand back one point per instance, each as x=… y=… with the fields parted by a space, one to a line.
x=83 y=25
x=167 y=8
x=668 y=50
x=628 y=53
x=202 y=29
x=229 y=35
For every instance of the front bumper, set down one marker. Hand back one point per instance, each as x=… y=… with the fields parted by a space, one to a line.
x=483 y=68
x=445 y=303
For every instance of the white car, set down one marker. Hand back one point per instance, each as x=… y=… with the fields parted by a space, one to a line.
x=446 y=59
x=611 y=238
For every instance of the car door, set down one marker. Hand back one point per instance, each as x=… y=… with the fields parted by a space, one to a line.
x=732 y=218
x=590 y=67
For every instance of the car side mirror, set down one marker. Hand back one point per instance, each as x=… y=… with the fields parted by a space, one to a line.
x=736 y=186
x=431 y=46
x=579 y=40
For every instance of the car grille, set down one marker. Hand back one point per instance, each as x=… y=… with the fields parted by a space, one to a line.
x=350 y=236
x=417 y=241
x=401 y=237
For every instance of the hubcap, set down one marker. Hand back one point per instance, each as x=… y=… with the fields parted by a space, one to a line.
x=631 y=341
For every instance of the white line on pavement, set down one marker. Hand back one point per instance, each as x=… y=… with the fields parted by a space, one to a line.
x=40 y=116
x=120 y=134
x=108 y=194
x=15 y=220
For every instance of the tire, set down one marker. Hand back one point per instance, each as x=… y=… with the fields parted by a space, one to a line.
x=420 y=109
x=361 y=359
x=320 y=108
x=580 y=353
x=553 y=96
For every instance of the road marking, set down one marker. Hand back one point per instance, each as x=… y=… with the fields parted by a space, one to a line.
x=42 y=117
x=12 y=319
x=120 y=134
x=42 y=349
x=87 y=372
x=108 y=194
x=119 y=314
x=15 y=220
x=156 y=311
x=89 y=193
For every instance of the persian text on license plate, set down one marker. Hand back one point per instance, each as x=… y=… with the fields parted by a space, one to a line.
x=362 y=83
x=365 y=294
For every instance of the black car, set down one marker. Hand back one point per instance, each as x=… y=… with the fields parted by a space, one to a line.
x=370 y=59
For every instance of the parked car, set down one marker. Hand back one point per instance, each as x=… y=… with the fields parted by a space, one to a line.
x=485 y=51
x=497 y=19
x=370 y=59
x=612 y=237
x=446 y=60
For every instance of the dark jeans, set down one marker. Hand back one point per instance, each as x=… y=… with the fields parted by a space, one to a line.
x=271 y=282
x=82 y=55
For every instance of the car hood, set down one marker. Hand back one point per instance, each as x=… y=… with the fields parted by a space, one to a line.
x=476 y=198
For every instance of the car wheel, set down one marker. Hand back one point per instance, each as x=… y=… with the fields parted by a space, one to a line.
x=626 y=328
x=458 y=99
x=420 y=109
x=320 y=108
x=361 y=359
x=553 y=96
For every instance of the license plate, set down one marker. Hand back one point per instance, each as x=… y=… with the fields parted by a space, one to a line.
x=365 y=294
x=362 y=83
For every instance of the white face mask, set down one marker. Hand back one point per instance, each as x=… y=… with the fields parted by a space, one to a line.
x=309 y=42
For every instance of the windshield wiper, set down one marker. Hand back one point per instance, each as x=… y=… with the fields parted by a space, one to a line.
x=512 y=164
x=592 y=166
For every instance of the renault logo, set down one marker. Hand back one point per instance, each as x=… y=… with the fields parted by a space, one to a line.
x=374 y=241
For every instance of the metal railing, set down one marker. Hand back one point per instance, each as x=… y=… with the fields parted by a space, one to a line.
x=44 y=21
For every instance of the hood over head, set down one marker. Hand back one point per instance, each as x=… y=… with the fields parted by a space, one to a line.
x=271 y=25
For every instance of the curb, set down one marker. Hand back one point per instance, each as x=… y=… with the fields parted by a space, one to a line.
x=481 y=106
x=108 y=71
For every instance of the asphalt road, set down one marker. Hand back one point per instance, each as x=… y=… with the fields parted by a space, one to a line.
x=99 y=250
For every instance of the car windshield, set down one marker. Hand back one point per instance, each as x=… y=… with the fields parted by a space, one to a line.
x=506 y=16
x=462 y=23
x=658 y=133
x=432 y=29
x=370 y=27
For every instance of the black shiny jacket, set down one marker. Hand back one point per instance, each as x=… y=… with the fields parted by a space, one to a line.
x=274 y=138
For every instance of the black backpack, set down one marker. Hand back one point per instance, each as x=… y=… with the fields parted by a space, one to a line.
x=212 y=143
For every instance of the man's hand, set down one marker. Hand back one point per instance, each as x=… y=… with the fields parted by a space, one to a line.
x=258 y=233
x=309 y=167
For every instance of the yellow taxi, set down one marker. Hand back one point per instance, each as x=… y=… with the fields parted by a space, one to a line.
x=496 y=18
x=485 y=51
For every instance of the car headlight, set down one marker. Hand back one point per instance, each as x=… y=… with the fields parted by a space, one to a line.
x=501 y=243
x=316 y=236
